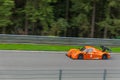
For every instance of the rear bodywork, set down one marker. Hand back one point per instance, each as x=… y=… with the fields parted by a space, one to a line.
x=88 y=53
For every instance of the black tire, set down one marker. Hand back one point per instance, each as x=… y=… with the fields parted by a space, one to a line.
x=80 y=56
x=104 y=57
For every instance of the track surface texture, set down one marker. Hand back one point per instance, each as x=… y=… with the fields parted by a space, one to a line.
x=49 y=65
x=52 y=60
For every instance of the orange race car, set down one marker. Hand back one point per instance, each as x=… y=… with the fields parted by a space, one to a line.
x=89 y=52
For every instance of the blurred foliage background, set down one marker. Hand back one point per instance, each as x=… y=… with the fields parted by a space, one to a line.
x=69 y=18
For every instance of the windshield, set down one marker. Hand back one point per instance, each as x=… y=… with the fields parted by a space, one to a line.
x=88 y=50
x=82 y=49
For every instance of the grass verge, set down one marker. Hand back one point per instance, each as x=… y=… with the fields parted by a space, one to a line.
x=40 y=47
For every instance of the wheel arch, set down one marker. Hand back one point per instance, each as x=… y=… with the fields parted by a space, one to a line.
x=104 y=56
x=80 y=54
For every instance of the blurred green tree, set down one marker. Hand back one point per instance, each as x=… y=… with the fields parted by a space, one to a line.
x=6 y=7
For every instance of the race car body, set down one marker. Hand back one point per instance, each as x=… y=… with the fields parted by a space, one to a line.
x=89 y=52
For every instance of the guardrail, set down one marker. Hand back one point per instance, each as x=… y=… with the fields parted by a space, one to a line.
x=57 y=40
x=60 y=74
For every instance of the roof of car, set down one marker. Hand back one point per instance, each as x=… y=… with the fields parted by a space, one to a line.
x=88 y=46
x=95 y=49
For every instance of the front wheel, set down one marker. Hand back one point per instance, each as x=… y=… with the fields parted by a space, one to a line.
x=80 y=56
x=104 y=57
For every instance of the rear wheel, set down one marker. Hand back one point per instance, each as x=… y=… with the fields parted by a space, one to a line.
x=80 y=56
x=104 y=57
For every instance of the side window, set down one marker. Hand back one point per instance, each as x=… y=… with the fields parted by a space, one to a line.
x=89 y=50
x=85 y=50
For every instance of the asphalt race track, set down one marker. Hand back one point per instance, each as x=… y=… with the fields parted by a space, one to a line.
x=46 y=65
x=52 y=60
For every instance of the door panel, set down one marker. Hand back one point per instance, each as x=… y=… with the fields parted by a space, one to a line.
x=88 y=56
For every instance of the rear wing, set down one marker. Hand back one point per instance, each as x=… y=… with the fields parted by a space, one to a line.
x=105 y=49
